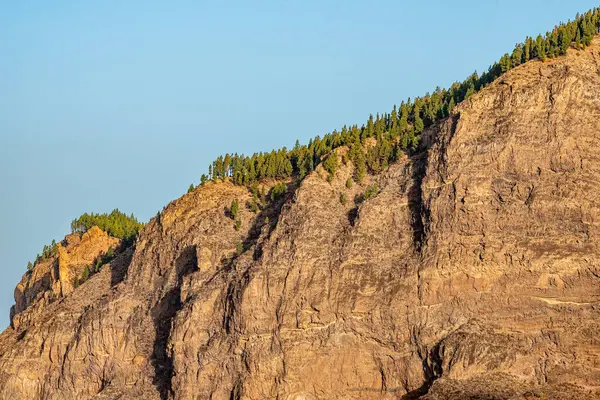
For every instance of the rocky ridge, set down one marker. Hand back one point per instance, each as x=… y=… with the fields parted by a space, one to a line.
x=472 y=273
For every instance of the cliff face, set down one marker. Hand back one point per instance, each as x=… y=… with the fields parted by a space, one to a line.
x=473 y=273
x=54 y=277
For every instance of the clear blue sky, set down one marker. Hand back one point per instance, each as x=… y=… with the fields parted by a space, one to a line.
x=108 y=104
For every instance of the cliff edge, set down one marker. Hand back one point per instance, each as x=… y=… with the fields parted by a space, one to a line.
x=469 y=271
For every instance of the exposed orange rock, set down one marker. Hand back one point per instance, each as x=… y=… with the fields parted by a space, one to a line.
x=54 y=277
x=472 y=274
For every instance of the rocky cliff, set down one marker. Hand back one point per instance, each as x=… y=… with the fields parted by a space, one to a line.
x=473 y=273
x=55 y=277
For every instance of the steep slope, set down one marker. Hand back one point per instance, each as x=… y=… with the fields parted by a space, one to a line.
x=472 y=273
x=55 y=277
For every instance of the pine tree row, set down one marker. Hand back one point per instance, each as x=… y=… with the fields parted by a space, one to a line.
x=116 y=224
x=400 y=130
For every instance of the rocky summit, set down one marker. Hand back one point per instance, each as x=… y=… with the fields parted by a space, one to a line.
x=470 y=270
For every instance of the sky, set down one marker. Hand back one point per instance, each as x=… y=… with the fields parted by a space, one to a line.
x=114 y=104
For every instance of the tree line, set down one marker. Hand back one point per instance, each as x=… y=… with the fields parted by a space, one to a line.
x=48 y=251
x=399 y=131
x=116 y=224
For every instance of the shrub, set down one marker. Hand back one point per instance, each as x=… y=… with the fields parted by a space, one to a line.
x=371 y=191
x=343 y=198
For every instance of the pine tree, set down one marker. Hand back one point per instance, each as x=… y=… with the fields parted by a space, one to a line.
x=359 y=161
x=564 y=41
x=419 y=126
x=516 y=57
x=85 y=275
x=116 y=224
x=395 y=127
x=403 y=122
x=527 y=50
x=234 y=209
x=505 y=63
x=29 y=266
x=451 y=105
x=540 y=50
x=330 y=164
x=191 y=188
x=98 y=264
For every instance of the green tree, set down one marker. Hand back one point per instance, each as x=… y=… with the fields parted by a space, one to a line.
x=110 y=254
x=357 y=155
x=278 y=190
x=343 y=198
x=517 y=56
x=86 y=274
x=234 y=208
x=331 y=163
x=29 y=266
x=399 y=130
x=98 y=264
x=564 y=41
x=527 y=49
x=116 y=224
x=371 y=191
x=191 y=188
x=505 y=62
x=540 y=50
x=419 y=126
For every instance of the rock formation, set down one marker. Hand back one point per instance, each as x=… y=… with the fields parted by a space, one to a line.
x=54 y=278
x=473 y=273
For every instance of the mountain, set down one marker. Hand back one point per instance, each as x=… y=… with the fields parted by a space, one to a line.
x=467 y=269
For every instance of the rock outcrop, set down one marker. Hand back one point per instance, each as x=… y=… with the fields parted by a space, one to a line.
x=55 y=277
x=473 y=273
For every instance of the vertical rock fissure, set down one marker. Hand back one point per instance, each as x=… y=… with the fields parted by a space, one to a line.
x=415 y=200
x=432 y=361
x=418 y=212
x=163 y=314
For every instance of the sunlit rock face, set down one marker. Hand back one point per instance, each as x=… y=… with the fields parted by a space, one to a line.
x=474 y=272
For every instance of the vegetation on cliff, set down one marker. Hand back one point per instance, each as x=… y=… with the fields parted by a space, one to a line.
x=116 y=224
x=399 y=131
x=47 y=252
